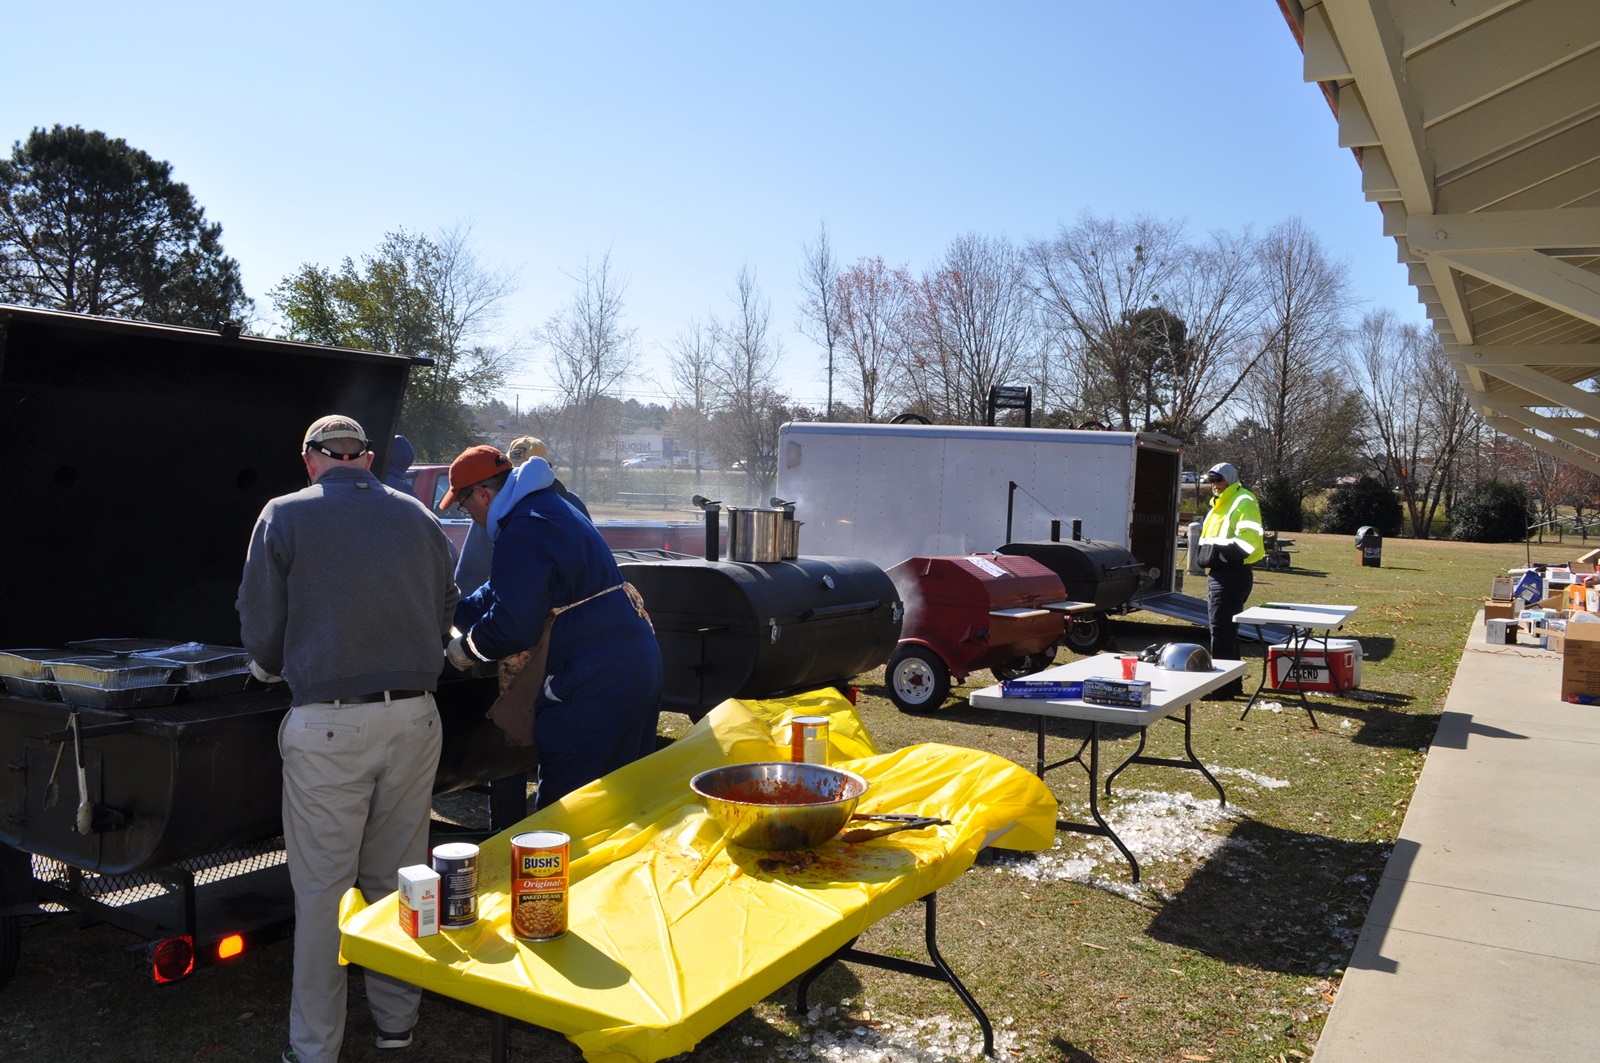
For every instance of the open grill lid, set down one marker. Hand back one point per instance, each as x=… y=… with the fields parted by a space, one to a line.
x=137 y=458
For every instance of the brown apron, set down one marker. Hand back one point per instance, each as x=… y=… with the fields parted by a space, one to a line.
x=522 y=674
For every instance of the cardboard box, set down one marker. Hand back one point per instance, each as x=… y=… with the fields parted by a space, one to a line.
x=1554 y=641
x=1500 y=632
x=419 y=900
x=1580 y=664
x=1496 y=609
x=1503 y=587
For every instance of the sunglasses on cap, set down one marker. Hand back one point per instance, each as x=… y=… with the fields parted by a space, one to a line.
x=334 y=454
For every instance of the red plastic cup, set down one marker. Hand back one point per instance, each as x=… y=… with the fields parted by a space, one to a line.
x=1129 y=665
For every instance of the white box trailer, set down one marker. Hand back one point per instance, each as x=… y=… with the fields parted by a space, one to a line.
x=889 y=492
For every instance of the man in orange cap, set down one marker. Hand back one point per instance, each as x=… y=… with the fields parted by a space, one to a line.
x=591 y=677
x=472 y=568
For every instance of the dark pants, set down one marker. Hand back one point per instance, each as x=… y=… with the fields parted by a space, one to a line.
x=1226 y=592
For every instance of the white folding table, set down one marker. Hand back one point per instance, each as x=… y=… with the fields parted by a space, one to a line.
x=1169 y=692
x=1304 y=621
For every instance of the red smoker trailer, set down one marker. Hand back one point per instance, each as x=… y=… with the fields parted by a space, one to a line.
x=968 y=612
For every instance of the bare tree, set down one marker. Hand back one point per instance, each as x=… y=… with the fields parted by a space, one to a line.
x=1307 y=297
x=749 y=408
x=972 y=326
x=873 y=301
x=1090 y=281
x=691 y=364
x=819 y=306
x=1420 y=414
x=1216 y=293
x=592 y=353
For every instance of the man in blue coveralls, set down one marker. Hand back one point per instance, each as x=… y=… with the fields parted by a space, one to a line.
x=555 y=602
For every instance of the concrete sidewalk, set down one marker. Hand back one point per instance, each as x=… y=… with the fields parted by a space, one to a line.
x=1483 y=942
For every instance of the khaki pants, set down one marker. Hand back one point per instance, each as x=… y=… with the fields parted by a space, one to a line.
x=357 y=795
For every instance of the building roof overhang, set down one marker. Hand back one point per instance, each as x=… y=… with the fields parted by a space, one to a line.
x=1476 y=124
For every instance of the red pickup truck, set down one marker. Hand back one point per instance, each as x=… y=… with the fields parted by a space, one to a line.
x=430 y=482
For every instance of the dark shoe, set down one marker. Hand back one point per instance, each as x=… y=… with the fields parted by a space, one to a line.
x=394 y=1040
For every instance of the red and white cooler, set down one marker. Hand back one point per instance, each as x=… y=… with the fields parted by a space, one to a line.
x=1338 y=668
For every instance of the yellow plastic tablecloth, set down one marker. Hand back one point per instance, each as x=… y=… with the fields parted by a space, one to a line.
x=652 y=961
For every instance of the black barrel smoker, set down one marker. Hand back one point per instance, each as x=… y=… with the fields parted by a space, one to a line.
x=759 y=629
x=1106 y=574
x=136 y=458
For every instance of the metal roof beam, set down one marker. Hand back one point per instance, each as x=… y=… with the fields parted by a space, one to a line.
x=1370 y=42
x=1506 y=230
x=1553 y=391
x=1447 y=284
x=1539 y=277
x=1587 y=354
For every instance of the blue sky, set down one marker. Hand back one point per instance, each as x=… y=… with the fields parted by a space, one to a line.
x=690 y=139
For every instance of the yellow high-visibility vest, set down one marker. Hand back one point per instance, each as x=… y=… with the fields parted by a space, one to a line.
x=1235 y=518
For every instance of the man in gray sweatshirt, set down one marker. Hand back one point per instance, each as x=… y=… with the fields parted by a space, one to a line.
x=348 y=595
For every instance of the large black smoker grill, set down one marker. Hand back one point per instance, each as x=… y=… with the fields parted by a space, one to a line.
x=734 y=629
x=135 y=459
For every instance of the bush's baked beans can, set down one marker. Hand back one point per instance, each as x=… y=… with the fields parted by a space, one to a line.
x=457 y=864
x=539 y=884
x=808 y=740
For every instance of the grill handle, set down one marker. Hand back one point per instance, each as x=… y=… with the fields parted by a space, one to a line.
x=828 y=612
x=93 y=730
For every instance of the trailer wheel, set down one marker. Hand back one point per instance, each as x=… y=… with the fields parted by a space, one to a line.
x=1026 y=664
x=917 y=679
x=1087 y=633
x=10 y=946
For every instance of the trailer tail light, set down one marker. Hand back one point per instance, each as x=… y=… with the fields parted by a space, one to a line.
x=852 y=693
x=172 y=959
x=230 y=946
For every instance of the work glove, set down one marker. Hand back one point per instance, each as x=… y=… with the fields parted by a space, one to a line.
x=262 y=675
x=456 y=653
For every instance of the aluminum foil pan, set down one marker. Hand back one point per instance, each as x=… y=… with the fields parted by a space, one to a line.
x=95 y=697
x=32 y=664
x=199 y=662
x=112 y=673
x=122 y=647
x=26 y=673
x=232 y=683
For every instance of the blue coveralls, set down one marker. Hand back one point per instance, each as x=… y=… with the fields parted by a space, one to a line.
x=602 y=689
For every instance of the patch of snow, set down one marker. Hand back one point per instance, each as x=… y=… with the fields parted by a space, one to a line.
x=1266 y=781
x=928 y=1040
x=1155 y=826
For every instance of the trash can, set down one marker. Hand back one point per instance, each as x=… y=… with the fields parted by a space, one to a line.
x=1369 y=546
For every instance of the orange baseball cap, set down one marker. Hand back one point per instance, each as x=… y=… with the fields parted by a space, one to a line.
x=473 y=466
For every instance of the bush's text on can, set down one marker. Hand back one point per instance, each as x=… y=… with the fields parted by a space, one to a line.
x=539 y=884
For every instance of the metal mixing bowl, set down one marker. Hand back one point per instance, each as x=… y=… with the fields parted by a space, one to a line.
x=779 y=805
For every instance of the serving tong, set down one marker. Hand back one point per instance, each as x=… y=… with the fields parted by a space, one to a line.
x=896 y=820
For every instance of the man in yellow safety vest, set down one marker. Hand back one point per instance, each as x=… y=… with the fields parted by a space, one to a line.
x=1231 y=542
